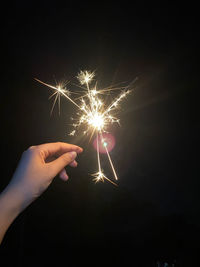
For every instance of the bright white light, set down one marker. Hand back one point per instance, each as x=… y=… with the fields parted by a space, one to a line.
x=96 y=121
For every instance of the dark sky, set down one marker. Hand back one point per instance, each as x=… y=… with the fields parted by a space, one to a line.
x=154 y=212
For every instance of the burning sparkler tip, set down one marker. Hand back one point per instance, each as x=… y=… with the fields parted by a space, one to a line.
x=92 y=112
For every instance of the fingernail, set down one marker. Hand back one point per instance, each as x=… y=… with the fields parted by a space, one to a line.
x=73 y=154
x=79 y=149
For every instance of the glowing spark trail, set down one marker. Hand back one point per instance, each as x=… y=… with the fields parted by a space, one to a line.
x=93 y=113
x=59 y=90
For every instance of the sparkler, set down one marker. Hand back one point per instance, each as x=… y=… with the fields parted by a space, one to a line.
x=92 y=113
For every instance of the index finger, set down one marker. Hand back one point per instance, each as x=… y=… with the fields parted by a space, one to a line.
x=58 y=148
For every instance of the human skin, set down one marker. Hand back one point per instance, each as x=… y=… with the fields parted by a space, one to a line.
x=36 y=170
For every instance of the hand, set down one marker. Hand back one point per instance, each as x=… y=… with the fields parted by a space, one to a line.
x=35 y=172
x=40 y=164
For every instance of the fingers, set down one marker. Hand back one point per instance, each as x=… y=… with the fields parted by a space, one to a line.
x=57 y=165
x=73 y=163
x=58 y=148
x=63 y=175
x=58 y=155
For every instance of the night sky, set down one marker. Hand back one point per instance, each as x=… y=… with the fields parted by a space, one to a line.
x=153 y=215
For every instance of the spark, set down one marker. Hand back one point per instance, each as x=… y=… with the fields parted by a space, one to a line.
x=85 y=77
x=59 y=90
x=93 y=113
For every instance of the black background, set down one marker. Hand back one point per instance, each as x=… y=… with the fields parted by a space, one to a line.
x=153 y=215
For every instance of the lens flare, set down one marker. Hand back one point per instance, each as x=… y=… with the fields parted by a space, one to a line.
x=107 y=141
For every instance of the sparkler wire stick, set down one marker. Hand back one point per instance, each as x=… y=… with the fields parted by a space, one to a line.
x=98 y=158
x=100 y=176
x=111 y=163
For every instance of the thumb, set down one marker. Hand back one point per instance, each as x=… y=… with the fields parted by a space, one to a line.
x=57 y=165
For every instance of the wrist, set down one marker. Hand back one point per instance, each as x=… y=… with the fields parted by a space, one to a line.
x=12 y=202
x=9 y=210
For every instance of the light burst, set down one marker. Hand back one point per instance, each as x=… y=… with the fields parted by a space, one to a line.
x=93 y=113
